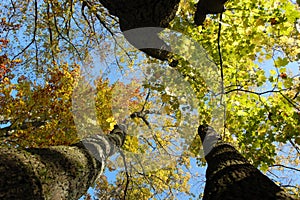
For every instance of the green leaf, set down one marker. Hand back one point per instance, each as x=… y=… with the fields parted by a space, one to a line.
x=281 y=62
x=272 y=72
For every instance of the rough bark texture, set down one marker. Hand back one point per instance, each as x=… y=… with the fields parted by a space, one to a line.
x=230 y=176
x=60 y=172
x=135 y=14
x=55 y=173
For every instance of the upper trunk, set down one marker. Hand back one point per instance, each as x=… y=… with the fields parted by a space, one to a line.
x=146 y=13
x=135 y=15
x=205 y=7
x=230 y=176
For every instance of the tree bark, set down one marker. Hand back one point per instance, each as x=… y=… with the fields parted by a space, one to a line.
x=134 y=14
x=229 y=176
x=60 y=172
x=148 y=13
x=134 y=18
x=205 y=7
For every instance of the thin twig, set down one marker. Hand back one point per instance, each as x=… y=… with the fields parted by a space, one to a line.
x=34 y=31
x=287 y=167
x=127 y=175
x=106 y=27
x=63 y=37
x=294 y=145
x=146 y=99
x=222 y=73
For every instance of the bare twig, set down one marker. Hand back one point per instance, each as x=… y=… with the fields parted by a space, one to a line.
x=295 y=146
x=287 y=167
x=222 y=72
x=34 y=31
x=127 y=174
x=63 y=37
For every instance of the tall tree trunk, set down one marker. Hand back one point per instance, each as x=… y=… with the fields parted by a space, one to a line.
x=60 y=172
x=135 y=14
x=146 y=13
x=205 y=7
x=230 y=176
x=135 y=18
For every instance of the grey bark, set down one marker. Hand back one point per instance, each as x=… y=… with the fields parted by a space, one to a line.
x=230 y=176
x=59 y=172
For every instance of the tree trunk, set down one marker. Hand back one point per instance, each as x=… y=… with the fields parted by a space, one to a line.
x=134 y=14
x=147 y=13
x=60 y=172
x=230 y=176
x=205 y=7
x=134 y=18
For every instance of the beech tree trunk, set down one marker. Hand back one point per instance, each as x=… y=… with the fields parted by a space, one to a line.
x=230 y=176
x=134 y=14
x=55 y=173
x=147 y=13
x=205 y=7
x=134 y=18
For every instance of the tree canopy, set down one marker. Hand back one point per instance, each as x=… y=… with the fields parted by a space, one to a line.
x=67 y=71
